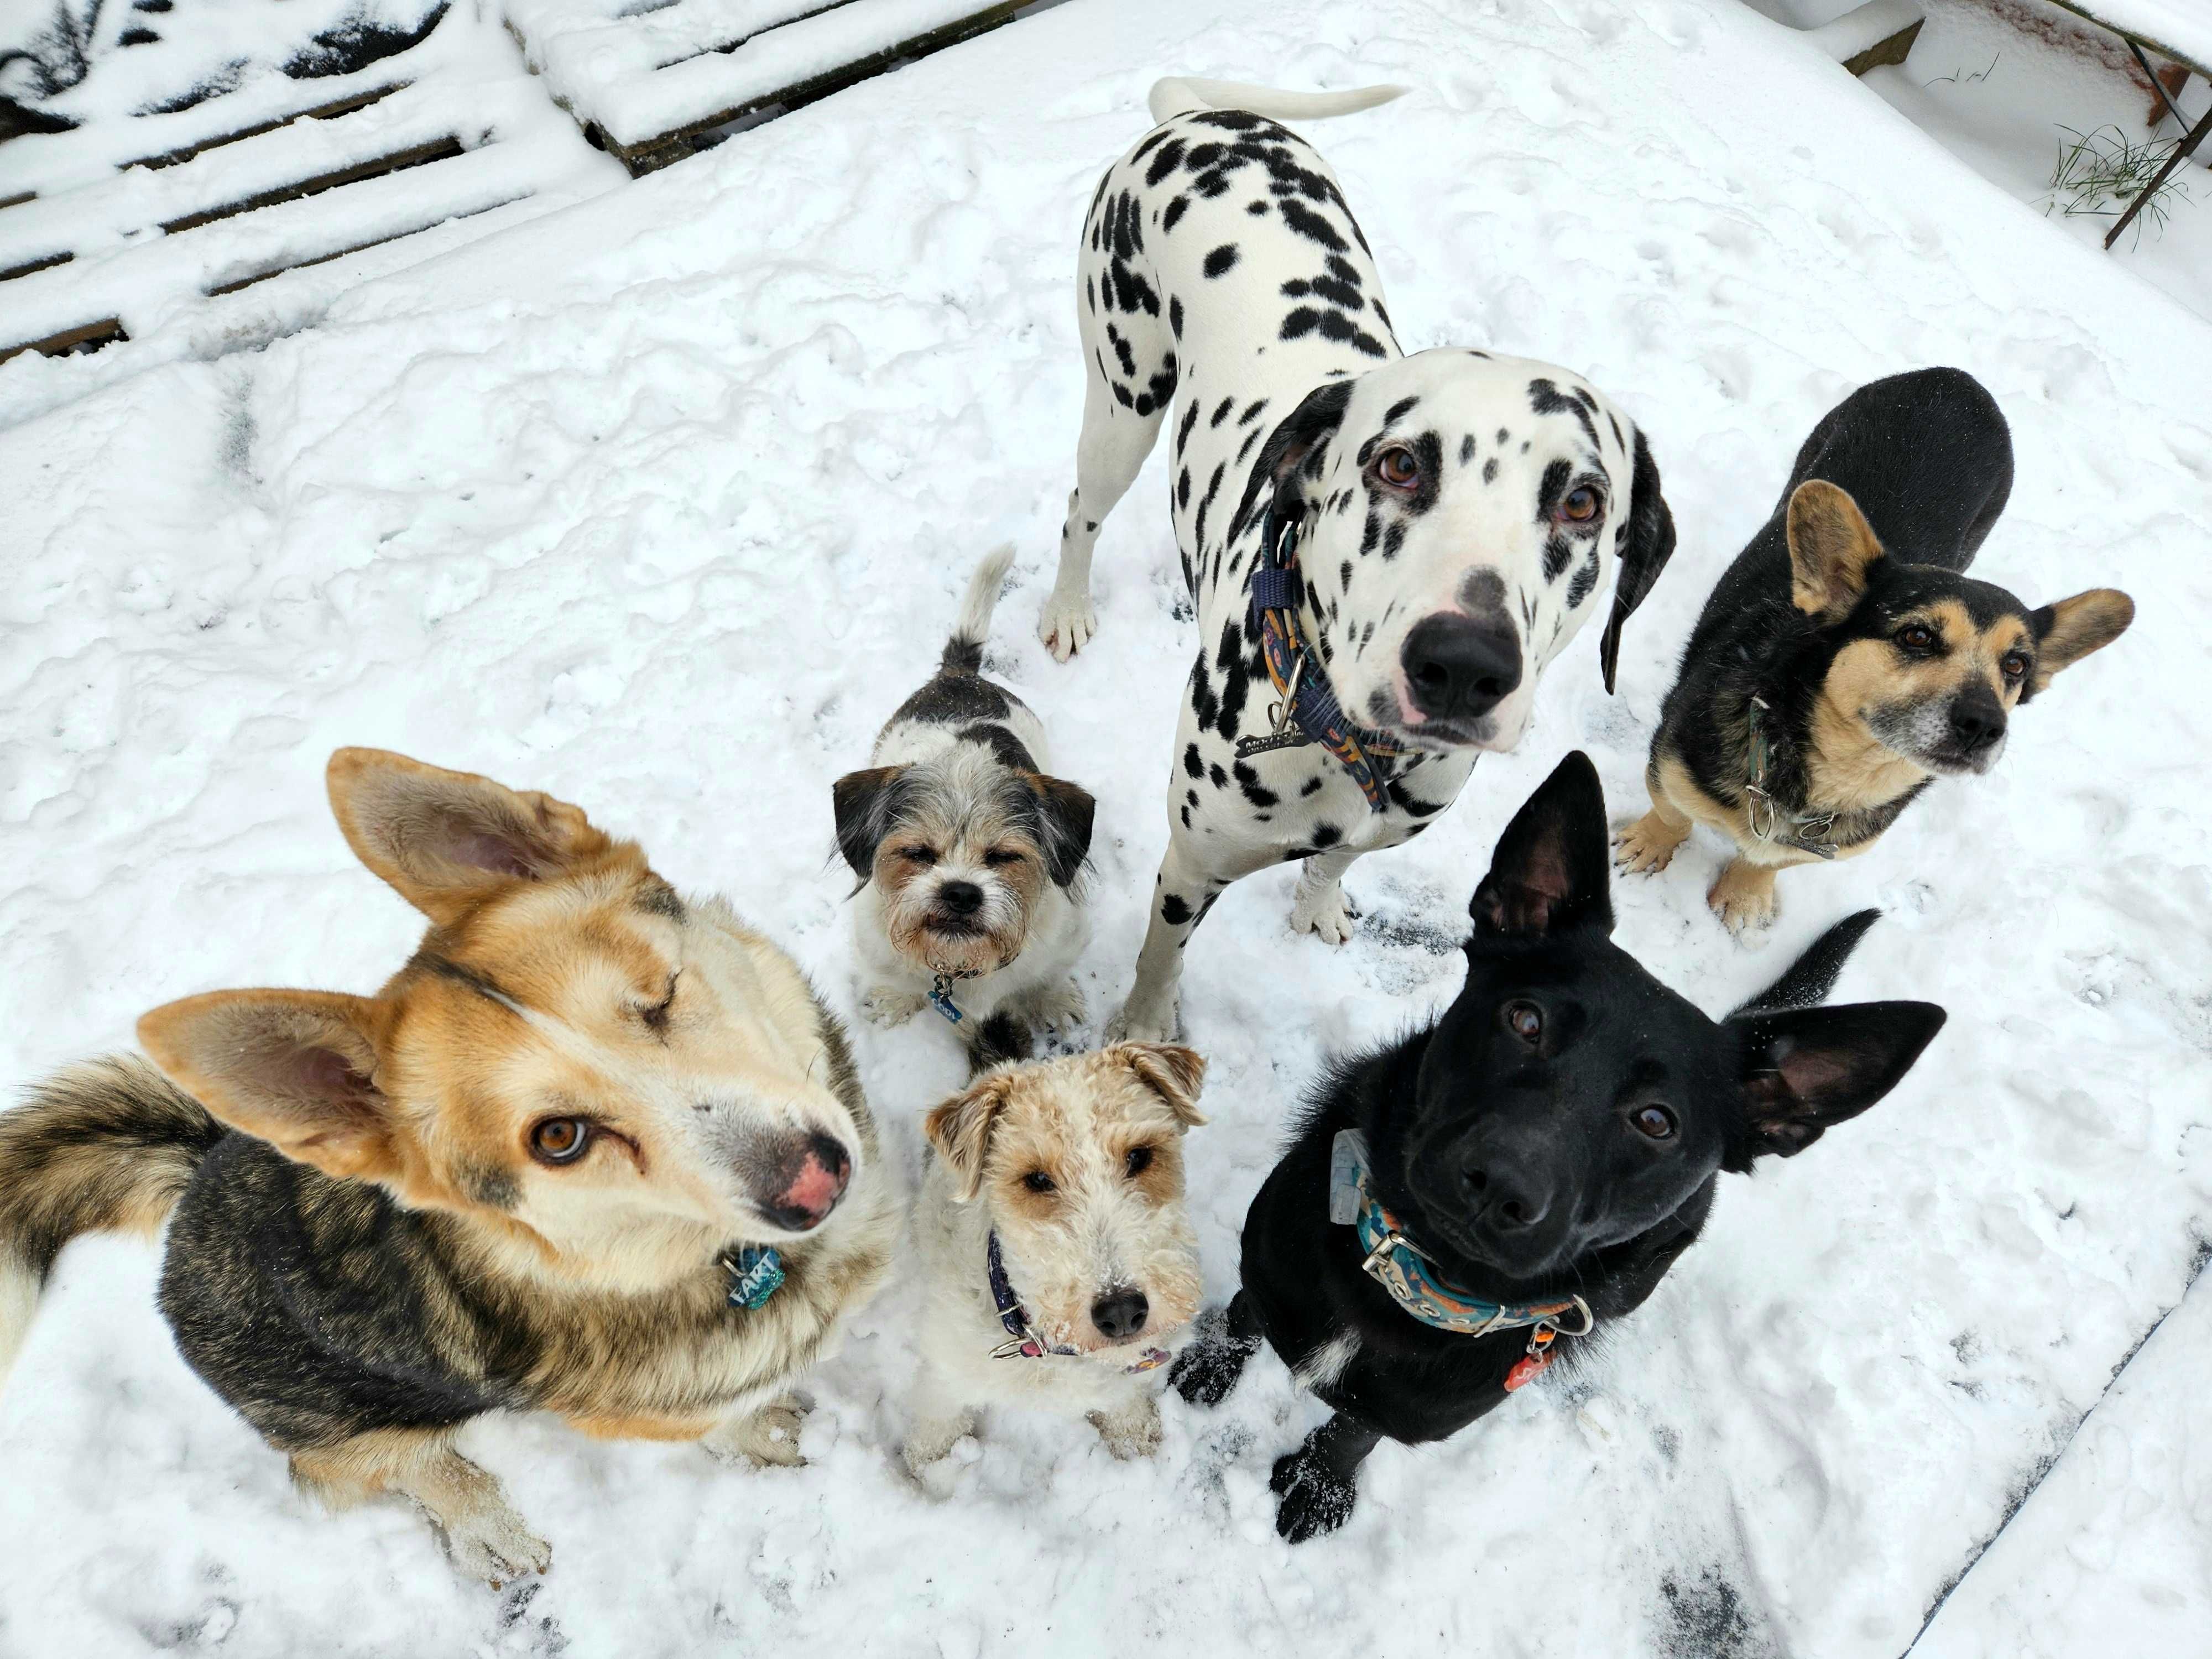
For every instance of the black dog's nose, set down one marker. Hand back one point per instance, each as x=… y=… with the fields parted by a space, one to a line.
x=960 y=898
x=1457 y=667
x=1122 y=1314
x=1506 y=1198
x=1977 y=722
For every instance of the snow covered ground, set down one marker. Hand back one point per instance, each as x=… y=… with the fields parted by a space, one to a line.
x=661 y=503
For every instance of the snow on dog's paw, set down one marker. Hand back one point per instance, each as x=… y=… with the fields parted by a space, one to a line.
x=766 y=1438
x=887 y=1006
x=489 y=1542
x=1067 y=623
x=1309 y=1499
x=1132 y=1433
x=1647 y=846
x=1327 y=913
x=1135 y=1024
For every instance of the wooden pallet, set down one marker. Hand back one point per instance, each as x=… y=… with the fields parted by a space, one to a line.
x=647 y=81
x=121 y=218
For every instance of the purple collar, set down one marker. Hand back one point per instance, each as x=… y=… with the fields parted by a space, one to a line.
x=1022 y=1341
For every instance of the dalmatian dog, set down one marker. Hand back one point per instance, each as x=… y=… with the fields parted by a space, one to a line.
x=1435 y=527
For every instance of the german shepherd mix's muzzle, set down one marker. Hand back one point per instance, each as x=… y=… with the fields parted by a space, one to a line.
x=1531 y=1165
x=595 y=1149
x=1845 y=661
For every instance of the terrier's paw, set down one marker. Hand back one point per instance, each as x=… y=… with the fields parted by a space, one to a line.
x=1328 y=914
x=1743 y=898
x=1067 y=623
x=1309 y=1499
x=1647 y=846
x=488 y=1541
x=1205 y=1372
x=931 y=1438
x=886 y=1005
x=1132 y=1433
x=766 y=1438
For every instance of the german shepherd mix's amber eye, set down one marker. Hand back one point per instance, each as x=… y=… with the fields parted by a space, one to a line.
x=559 y=1139
x=1396 y=467
x=2015 y=664
x=1918 y=637
x=1581 y=505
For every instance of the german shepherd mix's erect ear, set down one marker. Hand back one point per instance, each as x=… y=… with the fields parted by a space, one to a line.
x=1845 y=660
x=1557 y=1134
x=513 y=1178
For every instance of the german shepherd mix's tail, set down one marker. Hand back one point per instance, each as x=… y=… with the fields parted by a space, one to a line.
x=557 y=1162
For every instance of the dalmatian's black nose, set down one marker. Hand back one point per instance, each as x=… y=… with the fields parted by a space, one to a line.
x=1459 y=668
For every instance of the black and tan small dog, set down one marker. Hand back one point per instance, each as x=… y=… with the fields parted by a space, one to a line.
x=1845 y=660
x=1454 y=1208
x=595 y=1150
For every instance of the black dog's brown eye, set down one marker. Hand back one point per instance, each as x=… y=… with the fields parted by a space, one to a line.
x=1139 y=1160
x=1917 y=636
x=1655 y=1121
x=2014 y=664
x=923 y=856
x=1525 y=1020
x=1396 y=467
x=1581 y=505
x=996 y=858
x=559 y=1139
x=1038 y=1181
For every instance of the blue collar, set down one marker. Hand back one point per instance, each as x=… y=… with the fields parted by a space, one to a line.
x=1399 y=1265
x=1022 y=1341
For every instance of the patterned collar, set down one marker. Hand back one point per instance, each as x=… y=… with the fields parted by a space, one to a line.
x=1022 y=1341
x=1306 y=703
x=1397 y=1264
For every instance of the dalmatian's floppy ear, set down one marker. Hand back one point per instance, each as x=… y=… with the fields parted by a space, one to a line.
x=1294 y=447
x=1645 y=547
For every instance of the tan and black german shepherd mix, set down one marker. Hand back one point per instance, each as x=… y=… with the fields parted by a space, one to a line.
x=1845 y=660
x=523 y=1176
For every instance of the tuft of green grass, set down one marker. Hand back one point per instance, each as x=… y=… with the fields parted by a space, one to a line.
x=2102 y=170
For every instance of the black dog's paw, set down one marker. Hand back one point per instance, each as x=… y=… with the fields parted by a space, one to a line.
x=1204 y=1373
x=1311 y=1499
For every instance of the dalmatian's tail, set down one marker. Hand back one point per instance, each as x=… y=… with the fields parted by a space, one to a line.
x=1179 y=96
x=963 y=651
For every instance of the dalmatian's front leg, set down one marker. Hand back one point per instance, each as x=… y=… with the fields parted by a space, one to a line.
x=1181 y=895
x=1320 y=906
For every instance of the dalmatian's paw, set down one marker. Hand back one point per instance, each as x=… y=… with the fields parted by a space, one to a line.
x=1067 y=623
x=1328 y=914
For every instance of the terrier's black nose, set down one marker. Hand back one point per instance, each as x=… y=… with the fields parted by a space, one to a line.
x=1459 y=668
x=960 y=898
x=1121 y=1313
x=1977 y=722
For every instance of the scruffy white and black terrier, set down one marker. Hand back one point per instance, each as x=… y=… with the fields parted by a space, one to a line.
x=1058 y=1261
x=969 y=857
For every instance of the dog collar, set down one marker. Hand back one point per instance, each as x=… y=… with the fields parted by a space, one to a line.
x=1022 y=1341
x=1803 y=831
x=1304 y=700
x=755 y=1273
x=1398 y=1264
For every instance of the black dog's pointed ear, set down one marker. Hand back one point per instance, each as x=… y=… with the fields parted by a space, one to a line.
x=862 y=803
x=1645 y=546
x=1832 y=548
x=1551 y=871
x=1808 y=1069
x=1064 y=812
x=1294 y=444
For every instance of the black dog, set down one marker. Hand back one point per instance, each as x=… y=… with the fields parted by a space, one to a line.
x=1545 y=1152
x=1845 y=660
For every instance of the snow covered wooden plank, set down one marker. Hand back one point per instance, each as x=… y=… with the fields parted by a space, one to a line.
x=643 y=85
x=2178 y=29
x=1878 y=32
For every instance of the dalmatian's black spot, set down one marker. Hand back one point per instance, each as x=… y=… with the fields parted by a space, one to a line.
x=1394 y=538
x=1168 y=158
x=1429 y=451
x=1182 y=488
x=1344 y=575
x=1489 y=471
x=1551 y=491
x=1373 y=536
x=1221 y=411
x=1305 y=223
x=1503 y=437
x=1185 y=817
x=1123 y=397
x=1312 y=786
x=1248 y=780
x=1175 y=209
x=1251 y=412
x=1222 y=260
x=1090 y=293
x=1191 y=763
x=1547 y=398
x=1206 y=504
x=1557 y=550
x=1203 y=704
x=1210 y=185
x=1190 y=798
x=1411 y=806
x=1326 y=836
x=1585 y=579
x=1381 y=315
x=1399 y=410
x=1124 y=353
x=1174 y=910
x=1182 y=428
x=1218 y=777
x=1467 y=449
x=1257 y=209
x=1339 y=293
x=1245 y=448
x=1236 y=120
x=1296 y=288
x=1235 y=685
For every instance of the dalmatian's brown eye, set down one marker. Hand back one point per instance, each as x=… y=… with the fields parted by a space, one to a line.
x=1525 y=1020
x=1396 y=467
x=1917 y=636
x=1581 y=505
x=559 y=1139
x=1657 y=1121
x=1038 y=1181
x=2014 y=664
x=1139 y=1160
